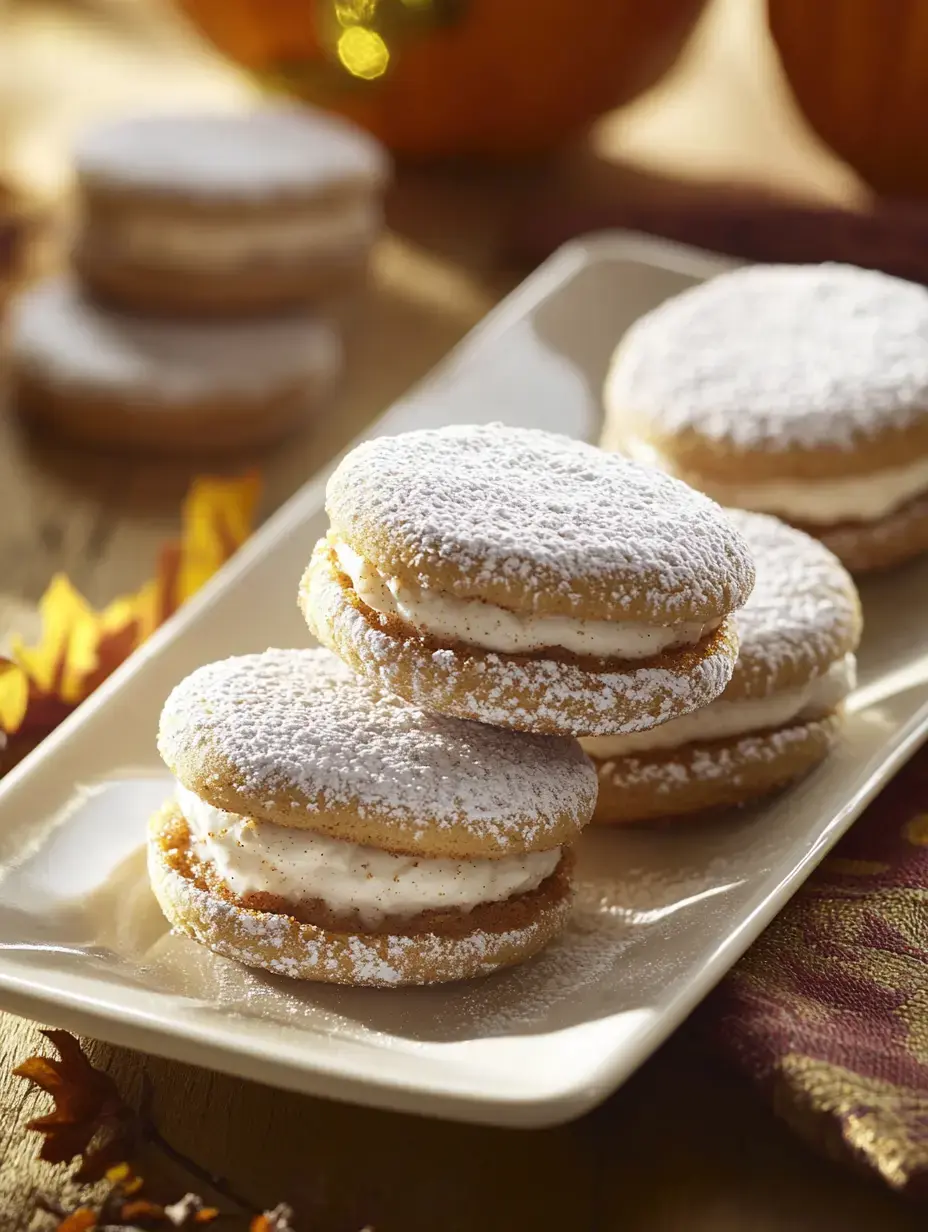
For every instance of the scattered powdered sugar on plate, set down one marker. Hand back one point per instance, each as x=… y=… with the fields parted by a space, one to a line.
x=780 y=358
x=803 y=613
x=560 y=523
x=606 y=956
x=588 y=953
x=299 y=723
x=73 y=343
x=251 y=155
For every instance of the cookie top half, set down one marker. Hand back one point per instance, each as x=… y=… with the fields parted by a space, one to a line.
x=293 y=737
x=538 y=523
x=803 y=615
x=217 y=157
x=778 y=371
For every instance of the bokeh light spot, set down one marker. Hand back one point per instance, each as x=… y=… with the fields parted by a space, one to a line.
x=363 y=52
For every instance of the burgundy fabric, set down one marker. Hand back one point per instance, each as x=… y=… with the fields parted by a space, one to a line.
x=828 y=1012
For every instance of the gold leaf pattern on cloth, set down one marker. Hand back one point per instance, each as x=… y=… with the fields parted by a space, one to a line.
x=828 y=1012
x=882 y=1124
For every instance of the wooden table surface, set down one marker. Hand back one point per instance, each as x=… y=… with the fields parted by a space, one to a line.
x=684 y=1145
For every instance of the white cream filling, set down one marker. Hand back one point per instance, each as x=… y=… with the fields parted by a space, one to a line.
x=297 y=865
x=724 y=719
x=494 y=628
x=198 y=243
x=819 y=502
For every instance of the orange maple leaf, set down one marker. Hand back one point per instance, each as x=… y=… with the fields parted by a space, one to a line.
x=140 y=1208
x=90 y=1119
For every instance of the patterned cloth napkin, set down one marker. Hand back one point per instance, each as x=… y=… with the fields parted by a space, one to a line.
x=828 y=1013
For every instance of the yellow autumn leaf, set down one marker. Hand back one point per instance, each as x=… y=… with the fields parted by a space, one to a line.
x=14 y=696
x=79 y=646
x=61 y=608
x=218 y=515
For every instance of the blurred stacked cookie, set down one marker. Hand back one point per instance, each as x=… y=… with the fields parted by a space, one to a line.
x=208 y=254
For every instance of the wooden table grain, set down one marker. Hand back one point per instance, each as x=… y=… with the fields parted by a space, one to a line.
x=684 y=1146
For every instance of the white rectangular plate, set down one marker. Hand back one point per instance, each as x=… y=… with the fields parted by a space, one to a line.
x=661 y=915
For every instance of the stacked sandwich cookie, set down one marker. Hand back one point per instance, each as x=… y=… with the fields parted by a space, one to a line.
x=226 y=214
x=526 y=580
x=799 y=391
x=155 y=383
x=780 y=714
x=407 y=815
x=208 y=254
x=325 y=831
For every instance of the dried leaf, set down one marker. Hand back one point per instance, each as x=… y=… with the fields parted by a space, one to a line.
x=90 y=1119
x=277 y=1220
x=217 y=519
x=123 y=1179
x=81 y=646
x=14 y=695
x=140 y=1209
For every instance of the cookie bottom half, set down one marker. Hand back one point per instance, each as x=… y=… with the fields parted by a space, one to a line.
x=547 y=693
x=863 y=547
x=457 y=947
x=209 y=425
x=710 y=774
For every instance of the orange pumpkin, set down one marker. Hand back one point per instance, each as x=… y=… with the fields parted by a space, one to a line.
x=859 y=71
x=500 y=77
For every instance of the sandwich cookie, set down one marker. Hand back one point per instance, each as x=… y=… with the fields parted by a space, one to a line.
x=526 y=580
x=800 y=391
x=113 y=379
x=780 y=714
x=326 y=832
x=227 y=214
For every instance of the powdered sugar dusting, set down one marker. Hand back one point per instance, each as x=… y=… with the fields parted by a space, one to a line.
x=803 y=614
x=559 y=524
x=780 y=358
x=72 y=343
x=298 y=723
x=268 y=152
